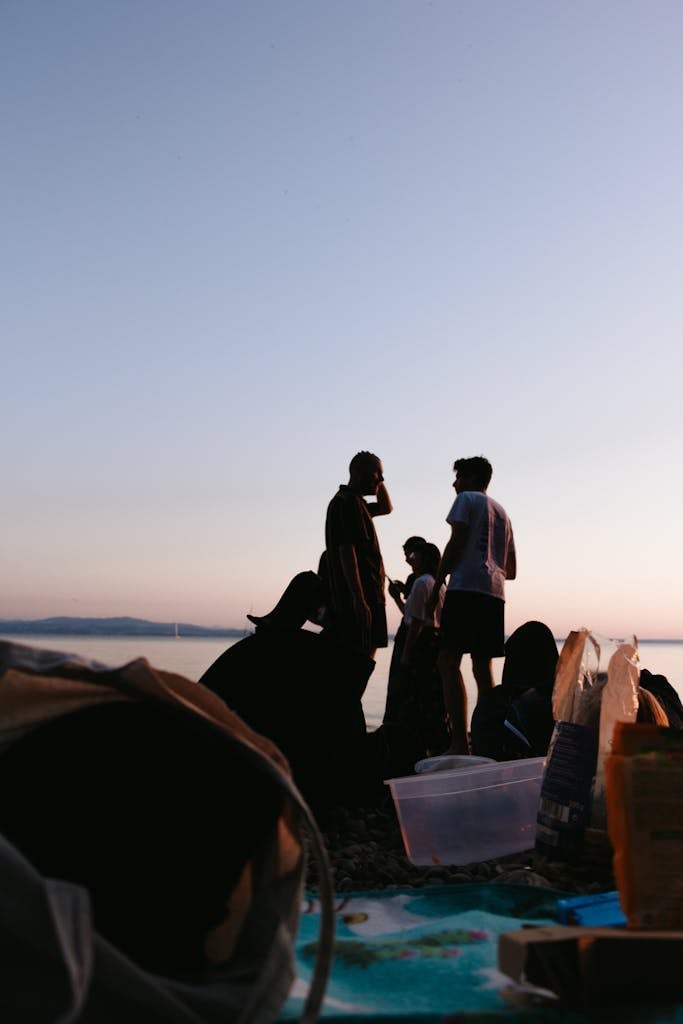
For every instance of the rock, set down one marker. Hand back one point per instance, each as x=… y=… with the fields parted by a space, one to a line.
x=366 y=852
x=523 y=876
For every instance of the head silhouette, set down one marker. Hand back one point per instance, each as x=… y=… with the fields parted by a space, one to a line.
x=530 y=658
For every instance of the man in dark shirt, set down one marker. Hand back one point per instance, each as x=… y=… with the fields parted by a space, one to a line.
x=356 y=579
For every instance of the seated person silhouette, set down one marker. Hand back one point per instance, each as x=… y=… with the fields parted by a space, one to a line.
x=160 y=836
x=303 y=600
x=303 y=689
x=660 y=688
x=650 y=709
x=515 y=719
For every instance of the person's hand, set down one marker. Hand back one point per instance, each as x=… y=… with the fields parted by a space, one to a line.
x=362 y=613
x=363 y=617
x=395 y=589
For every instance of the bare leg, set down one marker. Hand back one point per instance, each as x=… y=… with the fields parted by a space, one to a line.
x=455 y=700
x=483 y=673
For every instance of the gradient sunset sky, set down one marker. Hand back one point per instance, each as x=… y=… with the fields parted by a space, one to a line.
x=244 y=240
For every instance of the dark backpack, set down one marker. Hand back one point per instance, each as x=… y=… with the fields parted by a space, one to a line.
x=508 y=725
x=153 y=851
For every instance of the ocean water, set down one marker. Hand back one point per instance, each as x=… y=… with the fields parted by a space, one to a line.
x=192 y=656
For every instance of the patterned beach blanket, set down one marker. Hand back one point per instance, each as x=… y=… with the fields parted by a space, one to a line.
x=430 y=956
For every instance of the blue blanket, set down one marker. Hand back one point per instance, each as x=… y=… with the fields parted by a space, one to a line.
x=430 y=956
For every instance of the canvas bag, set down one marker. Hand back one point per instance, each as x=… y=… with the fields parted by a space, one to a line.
x=595 y=686
x=46 y=923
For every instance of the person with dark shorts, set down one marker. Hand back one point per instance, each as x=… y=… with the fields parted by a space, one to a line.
x=477 y=559
x=356 y=610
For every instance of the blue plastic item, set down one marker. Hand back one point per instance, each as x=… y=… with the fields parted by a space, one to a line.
x=601 y=910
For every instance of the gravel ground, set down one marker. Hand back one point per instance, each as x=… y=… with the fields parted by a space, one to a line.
x=366 y=852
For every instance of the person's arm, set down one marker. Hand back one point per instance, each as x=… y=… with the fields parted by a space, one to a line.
x=452 y=554
x=383 y=506
x=396 y=590
x=349 y=563
x=511 y=560
x=416 y=616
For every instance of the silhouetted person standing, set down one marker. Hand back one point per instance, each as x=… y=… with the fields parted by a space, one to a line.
x=421 y=692
x=479 y=556
x=355 y=570
x=399 y=592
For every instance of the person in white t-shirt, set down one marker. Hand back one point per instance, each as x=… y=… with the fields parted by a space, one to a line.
x=417 y=617
x=399 y=592
x=478 y=558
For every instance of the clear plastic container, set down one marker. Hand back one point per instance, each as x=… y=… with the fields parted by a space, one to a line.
x=468 y=815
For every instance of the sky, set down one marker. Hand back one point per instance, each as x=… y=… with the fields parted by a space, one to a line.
x=244 y=240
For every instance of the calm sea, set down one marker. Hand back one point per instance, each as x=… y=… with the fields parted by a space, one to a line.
x=192 y=656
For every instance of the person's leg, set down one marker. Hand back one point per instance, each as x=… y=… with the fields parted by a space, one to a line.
x=455 y=699
x=482 y=670
x=487 y=639
x=452 y=646
x=393 y=701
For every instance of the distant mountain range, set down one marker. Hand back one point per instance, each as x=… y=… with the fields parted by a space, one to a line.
x=121 y=626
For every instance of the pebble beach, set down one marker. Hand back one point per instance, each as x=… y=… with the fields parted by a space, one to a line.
x=366 y=852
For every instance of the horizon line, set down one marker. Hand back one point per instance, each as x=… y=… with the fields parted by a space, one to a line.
x=172 y=624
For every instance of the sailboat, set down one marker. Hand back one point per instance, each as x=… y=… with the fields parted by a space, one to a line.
x=177 y=633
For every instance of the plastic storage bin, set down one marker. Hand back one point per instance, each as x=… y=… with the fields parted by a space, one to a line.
x=469 y=814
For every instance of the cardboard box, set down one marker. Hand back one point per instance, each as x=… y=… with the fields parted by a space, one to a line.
x=592 y=966
x=469 y=814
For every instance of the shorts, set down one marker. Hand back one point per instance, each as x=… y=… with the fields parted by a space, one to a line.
x=473 y=623
x=343 y=626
